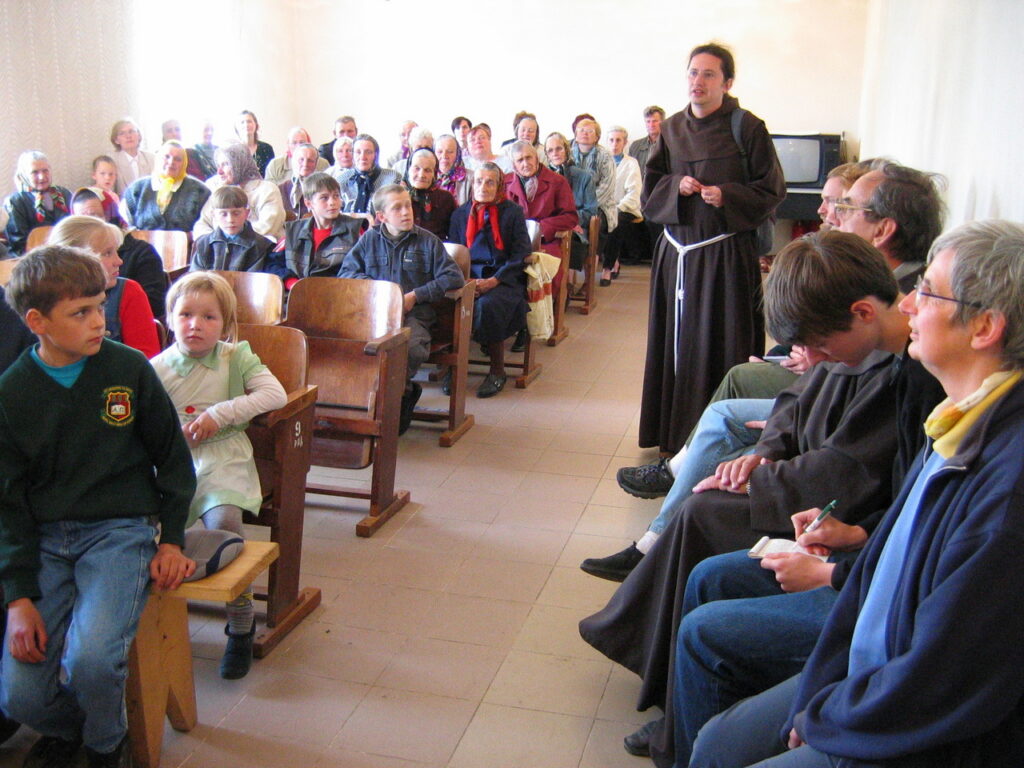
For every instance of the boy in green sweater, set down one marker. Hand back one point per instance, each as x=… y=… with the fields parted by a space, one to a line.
x=91 y=457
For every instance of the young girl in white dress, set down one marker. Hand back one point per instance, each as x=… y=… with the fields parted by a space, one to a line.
x=217 y=386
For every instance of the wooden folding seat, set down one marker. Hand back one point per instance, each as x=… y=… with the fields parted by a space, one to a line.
x=260 y=296
x=37 y=236
x=282 y=442
x=357 y=351
x=172 y=245
x=587 y=299
x=558 y=299
x=449 y=350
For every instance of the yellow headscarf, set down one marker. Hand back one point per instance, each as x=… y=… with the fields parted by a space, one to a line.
x=167 y=184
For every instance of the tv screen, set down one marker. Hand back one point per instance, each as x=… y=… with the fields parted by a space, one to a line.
x=800 y=158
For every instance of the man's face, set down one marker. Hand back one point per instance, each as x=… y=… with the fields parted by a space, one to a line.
x=936 y=339
x=422 y=170
x=706 y=82
x=295 y=138
x=855 y=220
x=347 y=128
x=363 y=155
x=305 y=161
x=325 y=206
x=653 y=125
x=398 y=213
x=830 y=195
x=525 y=163
x=617 y=142
x=73 y=329
x=230 y=220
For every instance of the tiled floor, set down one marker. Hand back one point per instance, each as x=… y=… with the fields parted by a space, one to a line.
x=449 y=638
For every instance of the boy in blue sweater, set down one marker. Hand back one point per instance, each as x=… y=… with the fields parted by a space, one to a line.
x=91 y=457
x=399 y=251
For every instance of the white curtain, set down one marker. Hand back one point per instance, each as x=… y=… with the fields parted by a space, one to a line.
x=943 y=90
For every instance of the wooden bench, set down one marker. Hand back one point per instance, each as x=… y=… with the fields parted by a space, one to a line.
x=160 y=681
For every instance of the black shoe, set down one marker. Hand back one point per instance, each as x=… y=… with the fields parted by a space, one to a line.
x=121 y=757
x=8 y=727
x=51 y=752
x=651 y=481
x=519 y=344
x=409 y=400
x=639 y=742
x=614 y=567
x=237 y=658
x=491 y=385
x=446 y=382
x=605 y=282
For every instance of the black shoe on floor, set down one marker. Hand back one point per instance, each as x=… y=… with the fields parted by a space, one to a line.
x=491 y=385
x=639 y=742
x=8 y=727
x=237 y=658
x=651 y=481
x=121 y=757
x=446 y=382
x=614 y=567
x=51 y=752
x=605 y=282
x=519 y=343
x=409 y=400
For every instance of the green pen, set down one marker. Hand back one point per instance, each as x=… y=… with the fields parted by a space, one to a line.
x=816 y=522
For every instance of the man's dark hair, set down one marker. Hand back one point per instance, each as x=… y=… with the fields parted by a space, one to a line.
x=814 y=280
x=911 y=199
x=721 y=53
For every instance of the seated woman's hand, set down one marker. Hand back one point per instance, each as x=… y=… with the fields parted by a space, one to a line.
x=796 y=572
x=484 y=285
x=831 y=534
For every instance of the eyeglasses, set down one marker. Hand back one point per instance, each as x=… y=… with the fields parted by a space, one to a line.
x=845 y=209
x=919 y=292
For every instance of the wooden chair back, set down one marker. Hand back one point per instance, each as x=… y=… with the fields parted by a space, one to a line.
x=6 y=268
x=37 y=237
x=260 y=296
x=587 y=298
x=285 y=351
x=460 y=255
x=172 y=245
x=357 y=358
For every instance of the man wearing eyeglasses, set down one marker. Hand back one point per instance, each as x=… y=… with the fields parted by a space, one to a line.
x=898 y=210
x=919 y=663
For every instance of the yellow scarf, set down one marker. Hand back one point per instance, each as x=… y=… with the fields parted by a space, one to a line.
x=950 y=421
x=167 y=186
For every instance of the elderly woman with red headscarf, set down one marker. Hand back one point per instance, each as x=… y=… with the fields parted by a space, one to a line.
x=494 y=230
x=432 y=207
x=266 y=208
x=170 y=198
x=452 y=175
x=36 y=202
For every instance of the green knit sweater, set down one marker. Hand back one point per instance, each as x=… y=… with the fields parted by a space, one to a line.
x=110 y=446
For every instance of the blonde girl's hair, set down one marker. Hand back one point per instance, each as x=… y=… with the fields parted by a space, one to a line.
x=78 y=231
x=195 y=283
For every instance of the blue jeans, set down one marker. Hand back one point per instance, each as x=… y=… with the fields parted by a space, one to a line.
x=93 y=578
x=719 y=436
x=750 y=734
x=740 y=635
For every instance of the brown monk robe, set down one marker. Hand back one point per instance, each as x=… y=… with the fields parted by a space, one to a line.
x=720 y=321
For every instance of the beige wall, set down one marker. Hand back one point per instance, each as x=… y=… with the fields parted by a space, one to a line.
x=74 y=66
x=938 y=77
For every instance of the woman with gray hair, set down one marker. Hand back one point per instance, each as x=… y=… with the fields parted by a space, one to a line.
x=235 y=165
x=36 y=202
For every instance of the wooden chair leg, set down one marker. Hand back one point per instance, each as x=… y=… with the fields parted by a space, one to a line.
x=590 y=272
x=531 y=368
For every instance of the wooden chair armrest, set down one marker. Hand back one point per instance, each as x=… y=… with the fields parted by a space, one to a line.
x=461 y=294
x=387 y=342
x=563 y=234
x=297 y=401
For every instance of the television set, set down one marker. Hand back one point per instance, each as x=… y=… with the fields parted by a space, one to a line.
x=806 y=161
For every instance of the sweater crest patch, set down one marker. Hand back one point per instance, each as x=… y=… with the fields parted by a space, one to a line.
x=117 y=409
